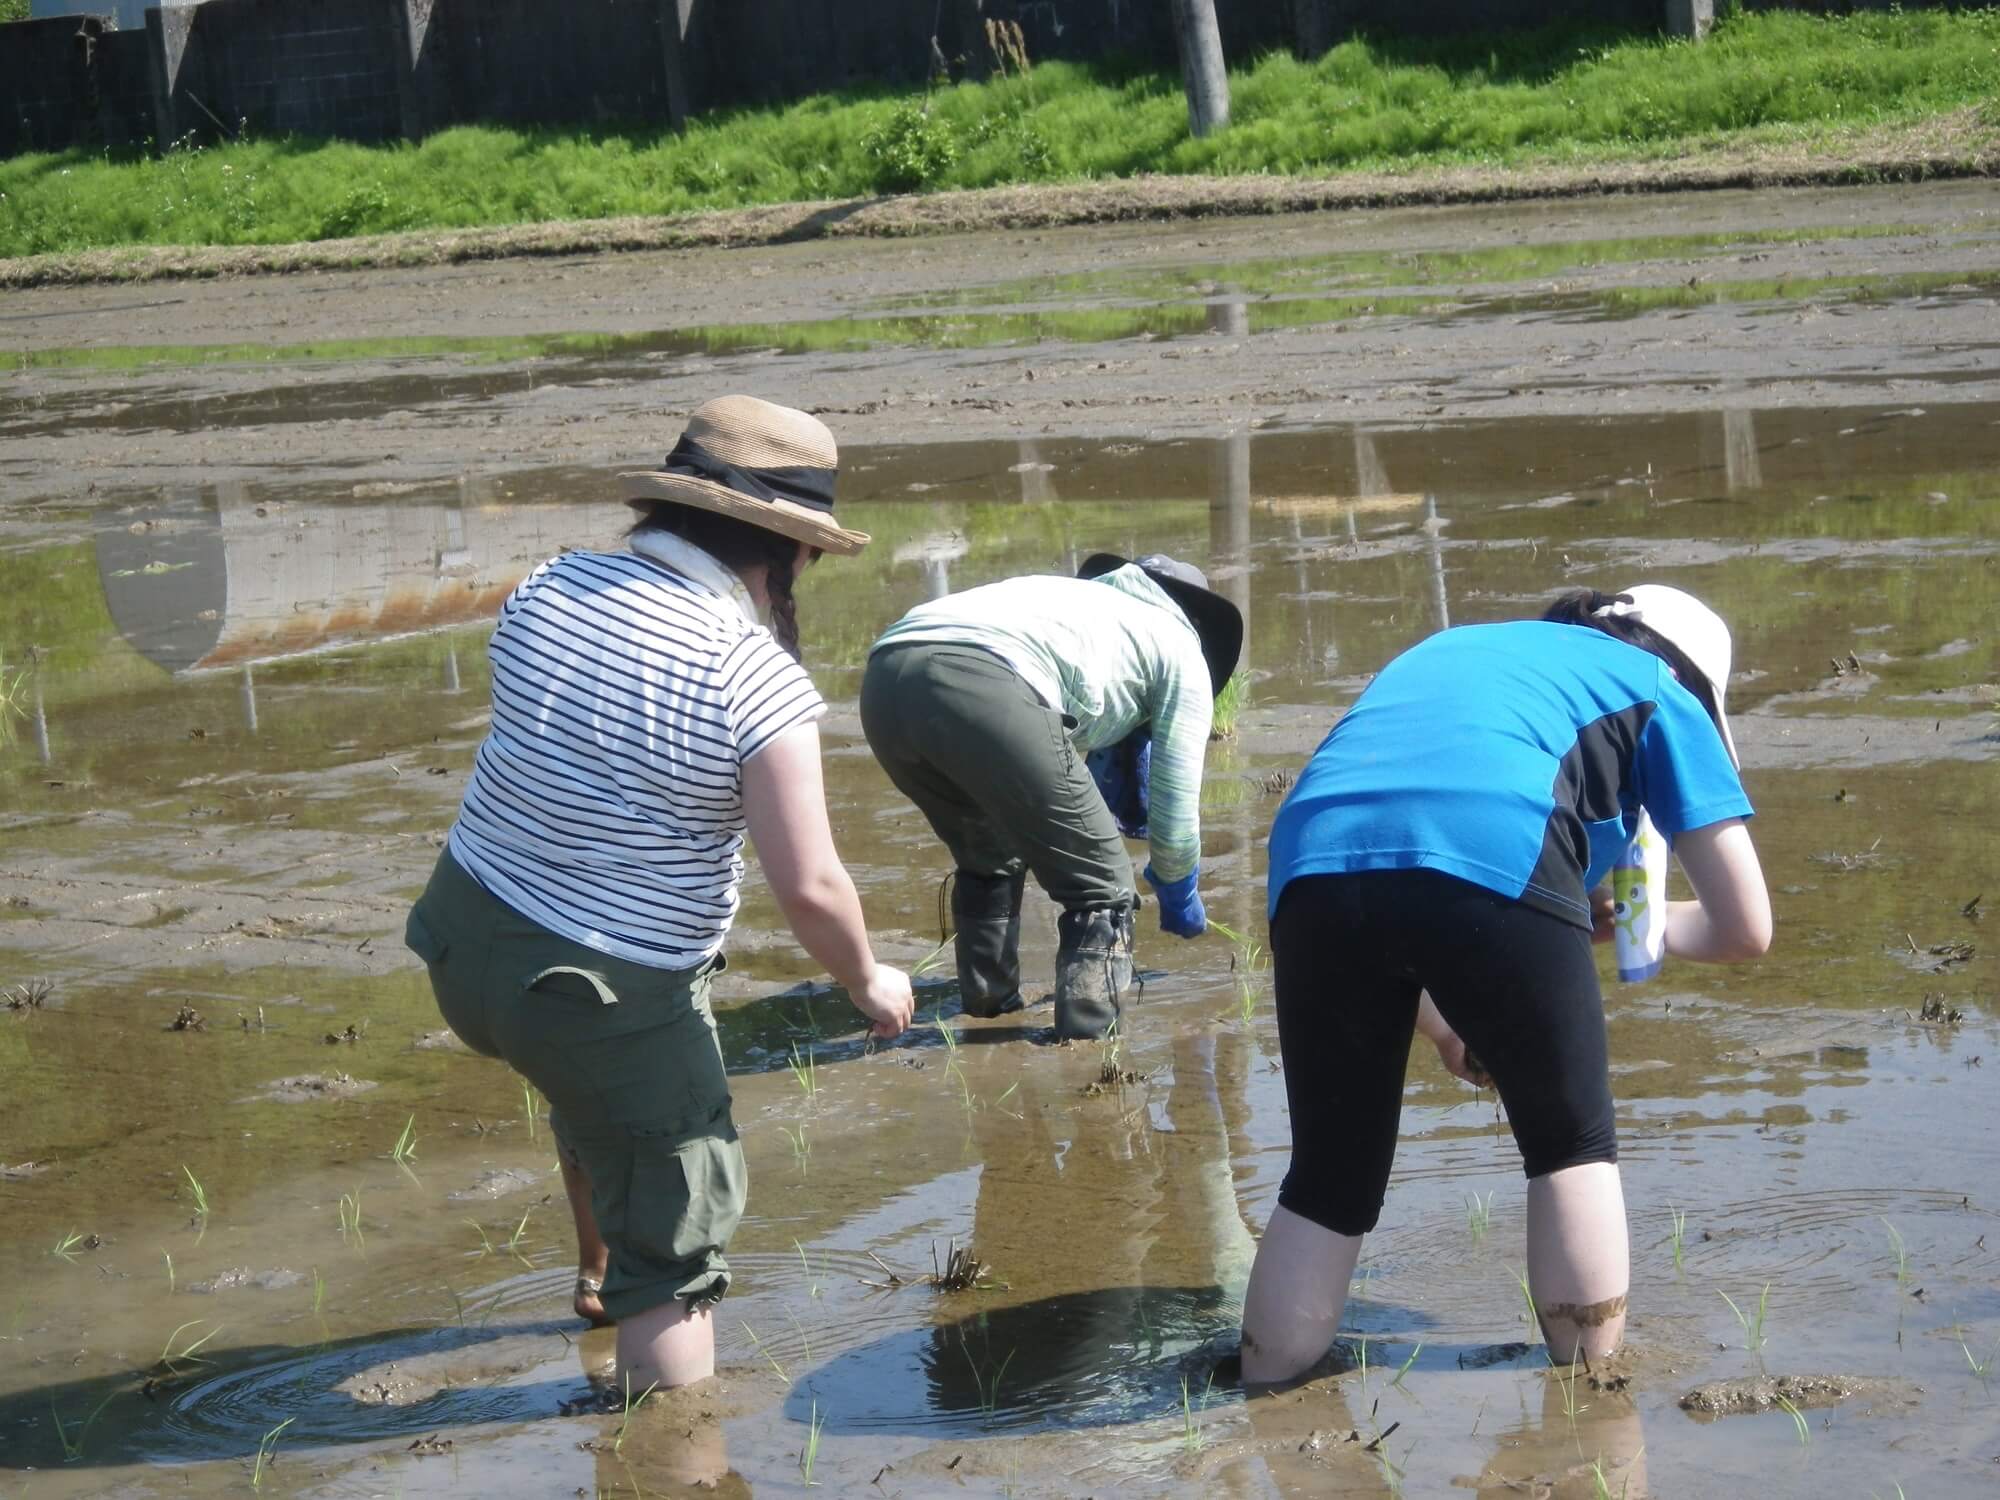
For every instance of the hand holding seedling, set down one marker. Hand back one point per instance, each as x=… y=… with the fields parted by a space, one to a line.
x=886 y=1000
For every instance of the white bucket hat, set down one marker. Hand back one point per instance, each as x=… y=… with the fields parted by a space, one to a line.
x=759 y=462
x=1692 y=626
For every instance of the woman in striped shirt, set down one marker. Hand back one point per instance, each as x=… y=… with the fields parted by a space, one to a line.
x=643 y=721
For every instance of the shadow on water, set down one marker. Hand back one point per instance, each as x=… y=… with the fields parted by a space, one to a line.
x=224 y=1402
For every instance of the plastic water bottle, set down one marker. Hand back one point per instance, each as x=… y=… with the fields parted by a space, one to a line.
x=1639 y=904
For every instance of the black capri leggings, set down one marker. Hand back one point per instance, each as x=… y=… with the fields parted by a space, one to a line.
x=1518 y=985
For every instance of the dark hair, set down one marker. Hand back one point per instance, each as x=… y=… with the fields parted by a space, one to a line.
x=1581 y=606
x=737 y=545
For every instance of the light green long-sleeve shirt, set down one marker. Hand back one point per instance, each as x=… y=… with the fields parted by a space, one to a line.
x=1113 y=653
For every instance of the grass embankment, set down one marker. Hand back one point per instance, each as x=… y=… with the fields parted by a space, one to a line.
x=1789 y=84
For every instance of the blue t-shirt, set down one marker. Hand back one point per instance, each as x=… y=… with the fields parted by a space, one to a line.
x=1514 y=756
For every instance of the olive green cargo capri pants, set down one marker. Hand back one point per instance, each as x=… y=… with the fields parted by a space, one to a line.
x=628 y=1059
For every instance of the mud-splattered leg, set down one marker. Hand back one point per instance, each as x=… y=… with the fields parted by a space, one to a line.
x=1579 y=1266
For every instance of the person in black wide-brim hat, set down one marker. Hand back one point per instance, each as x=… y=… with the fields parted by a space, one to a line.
x=985 y=707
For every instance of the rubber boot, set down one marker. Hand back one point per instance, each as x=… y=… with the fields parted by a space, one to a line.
x=1093 y=970
x=986 y=918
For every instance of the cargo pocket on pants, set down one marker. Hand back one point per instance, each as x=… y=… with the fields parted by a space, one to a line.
x=687 y=1194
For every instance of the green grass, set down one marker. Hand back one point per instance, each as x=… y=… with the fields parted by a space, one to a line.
x=1554 y=93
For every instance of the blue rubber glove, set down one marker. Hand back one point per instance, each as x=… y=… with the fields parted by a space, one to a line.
x=1122 y=772
x=1181 y=911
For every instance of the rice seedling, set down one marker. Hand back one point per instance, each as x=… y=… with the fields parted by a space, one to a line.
x=1528 y=1297
x=405 y=1149
x=1753 y=1327
x=809 y=1450
x=530 y=1108
x=1680 y=1236
x=1005 y=1095
x=72 y=1438
x=1600 y=1485
x=66 y=1247
x=1571 y=1406
x=813 y=1288
x=514 y=1239
x=931 y=960
x=1798 y=1421
x=801 y=1147
x=485 y=1244
x=1404 y=1369
x=1363 y=1351
x=171 y=1358
x=1478 y=1216
x=200 y=1195
x=1191 y=1438
x=350 y=1216
x=769 y=1357
x=1979 y=1369
x=319 y=1292
x=267 y=1448
x=1902 y=1254
x=170 y=1272
x=805 y=1073
x=988 y=1386
x=625 y=1421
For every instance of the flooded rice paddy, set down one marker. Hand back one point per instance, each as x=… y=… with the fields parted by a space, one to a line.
x=265 y=1227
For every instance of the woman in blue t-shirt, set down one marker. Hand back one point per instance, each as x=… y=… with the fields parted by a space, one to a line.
x=1436 y=868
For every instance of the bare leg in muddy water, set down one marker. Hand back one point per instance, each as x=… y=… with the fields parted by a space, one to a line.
x=1578 y=1264
x=593 y=1257
x=1578 y=1271
x=1297 y=1292
x=666 y=1346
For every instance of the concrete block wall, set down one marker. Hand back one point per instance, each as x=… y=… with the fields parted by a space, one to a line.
x=124 y=65
x=532 y=62
x=280 y=67
x=46 y=83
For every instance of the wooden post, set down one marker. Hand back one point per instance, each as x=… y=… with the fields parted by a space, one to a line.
x=1312 y=28
x=1693 y=19
x=1200 y=42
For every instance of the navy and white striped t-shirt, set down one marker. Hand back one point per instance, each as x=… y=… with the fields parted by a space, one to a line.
x=606 y=803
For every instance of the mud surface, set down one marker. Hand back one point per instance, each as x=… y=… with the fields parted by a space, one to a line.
x=251 y=540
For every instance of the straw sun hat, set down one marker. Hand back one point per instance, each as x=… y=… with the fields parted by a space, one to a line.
x=758 y=462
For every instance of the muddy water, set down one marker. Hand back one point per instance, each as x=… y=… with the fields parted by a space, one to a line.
x=245 y=722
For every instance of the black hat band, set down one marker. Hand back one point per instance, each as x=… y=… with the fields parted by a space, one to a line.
x=804 y=485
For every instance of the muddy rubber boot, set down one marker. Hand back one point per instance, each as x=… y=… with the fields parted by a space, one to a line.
x=986 y=918
x=1093 y=970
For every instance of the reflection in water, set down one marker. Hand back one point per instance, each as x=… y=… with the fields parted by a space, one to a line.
x=1115 y=1221
x=220 y=578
